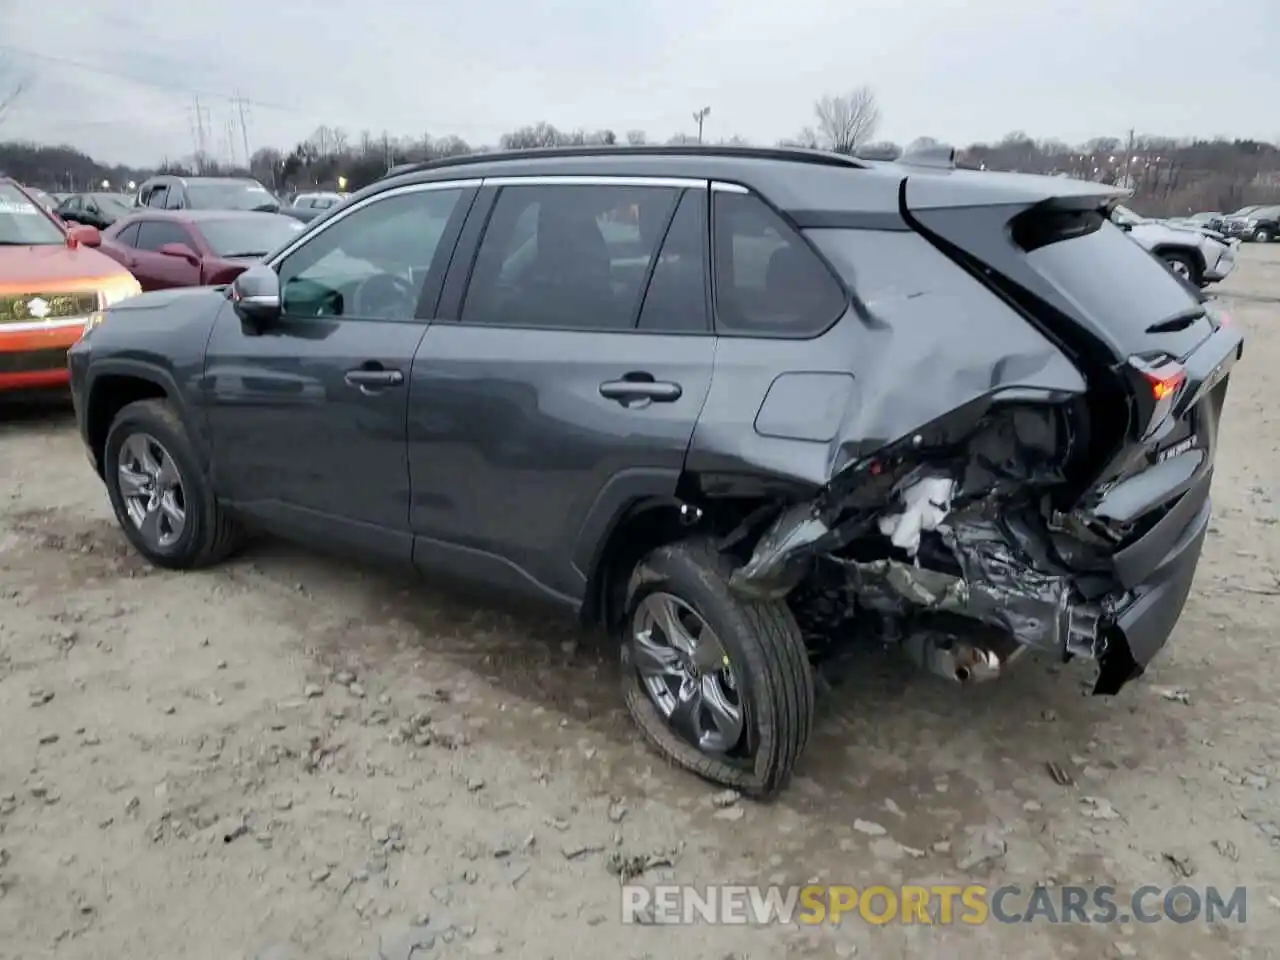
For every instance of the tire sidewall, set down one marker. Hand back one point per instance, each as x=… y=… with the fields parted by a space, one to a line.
x=139 y=418
x=667 y=572
x=1262 y=236
x=1179 y=258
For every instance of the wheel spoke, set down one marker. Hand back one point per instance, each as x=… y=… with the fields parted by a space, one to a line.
x=653 y=660
x=132 y=483
x=167 y=475
x=176 y=515
x=150 y=528
x=725 y=715
x=134 y=450
x=667 y=616
x=686 y=718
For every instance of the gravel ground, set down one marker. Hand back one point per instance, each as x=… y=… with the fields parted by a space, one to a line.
x=292 y=757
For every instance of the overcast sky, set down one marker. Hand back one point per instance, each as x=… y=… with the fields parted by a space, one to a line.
x=957 y=70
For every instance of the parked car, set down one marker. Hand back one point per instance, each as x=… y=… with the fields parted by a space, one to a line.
x=1234 y=225
x=51 y=280
x=99 y=210
x=1202 y=220
x=1258 y=225
x=307 y=206
x=880 y=405
x=194 y=248
x=1197 y=255
x=168 y=192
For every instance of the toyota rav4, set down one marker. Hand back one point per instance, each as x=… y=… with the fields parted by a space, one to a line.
x=735 y=406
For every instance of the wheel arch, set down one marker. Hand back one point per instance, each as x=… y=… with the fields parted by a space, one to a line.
x=114 y=384
x=1195 y=254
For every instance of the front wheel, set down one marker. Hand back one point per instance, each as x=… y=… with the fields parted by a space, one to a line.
x=719 y=684
x=161 y=498
x=1183 y=267
x=1262 y=235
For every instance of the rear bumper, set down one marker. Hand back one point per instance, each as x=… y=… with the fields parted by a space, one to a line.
x=1143 y=626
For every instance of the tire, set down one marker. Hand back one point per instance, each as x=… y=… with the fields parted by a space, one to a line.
x=206 y=534
x=1184 y=266
x=764 y=663
x=1262 y=235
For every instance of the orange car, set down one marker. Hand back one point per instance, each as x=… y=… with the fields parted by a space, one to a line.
x=51 y=280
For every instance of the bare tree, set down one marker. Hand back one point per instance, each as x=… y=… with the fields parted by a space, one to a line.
x=636 y=138
x=848 y=121
x=11 y=89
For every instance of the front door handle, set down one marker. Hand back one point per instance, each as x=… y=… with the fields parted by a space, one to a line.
x=640 y=389
x=370 y=380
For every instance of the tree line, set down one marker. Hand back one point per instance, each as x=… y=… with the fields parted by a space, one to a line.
x=1168 y=176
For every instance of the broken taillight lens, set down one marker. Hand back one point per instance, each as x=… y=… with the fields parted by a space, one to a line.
x=1165 y=379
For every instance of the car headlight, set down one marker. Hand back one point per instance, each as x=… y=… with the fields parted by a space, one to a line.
x=118 y=290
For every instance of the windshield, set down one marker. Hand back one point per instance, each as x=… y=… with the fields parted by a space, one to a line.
x=1245 y=211
x=248 y=237
x=230 y=196
x=113 y=202
x=22 y=223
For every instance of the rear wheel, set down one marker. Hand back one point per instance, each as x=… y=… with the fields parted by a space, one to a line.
x=718 y=684
x=161 y=498
x=1183 y=266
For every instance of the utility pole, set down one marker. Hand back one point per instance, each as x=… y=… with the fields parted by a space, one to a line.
x=244 y=128
x=1128 y=157
x=699 y=116
x=386 y=149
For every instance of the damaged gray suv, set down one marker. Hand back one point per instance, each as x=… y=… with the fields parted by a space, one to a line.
x=739 y=407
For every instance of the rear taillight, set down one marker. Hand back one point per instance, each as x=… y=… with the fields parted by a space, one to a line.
x=1164 y=379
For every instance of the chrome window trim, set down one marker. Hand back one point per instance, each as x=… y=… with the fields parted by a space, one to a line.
x=587 y=180
x=412 y=188
x=719 y=186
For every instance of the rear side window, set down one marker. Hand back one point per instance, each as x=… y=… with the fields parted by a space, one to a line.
x=567 y=256
x=154 y=234
x=1110 y=278
x=768 y=282
x=676 y=301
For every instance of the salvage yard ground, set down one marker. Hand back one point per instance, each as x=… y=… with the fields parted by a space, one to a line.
x=291 y=757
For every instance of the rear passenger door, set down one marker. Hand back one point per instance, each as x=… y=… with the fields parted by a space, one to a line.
x=563 y=377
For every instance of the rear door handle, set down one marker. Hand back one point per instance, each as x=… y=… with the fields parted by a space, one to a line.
x=632 y=391
x=372 y=379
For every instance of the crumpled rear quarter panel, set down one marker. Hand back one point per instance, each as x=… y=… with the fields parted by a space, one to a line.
x=922 y=340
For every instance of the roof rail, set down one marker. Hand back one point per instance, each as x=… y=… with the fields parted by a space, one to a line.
x=789 y=154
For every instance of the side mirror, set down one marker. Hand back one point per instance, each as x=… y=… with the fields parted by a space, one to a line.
x=81 y=235
x=1125 y=225
x=255 y=295
x=180 y=250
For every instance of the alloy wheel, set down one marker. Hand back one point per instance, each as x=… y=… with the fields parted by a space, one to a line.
x=686 y=673
x=1179 y=269
x=150 y=485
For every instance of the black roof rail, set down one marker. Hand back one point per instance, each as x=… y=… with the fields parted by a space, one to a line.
x=788 y=154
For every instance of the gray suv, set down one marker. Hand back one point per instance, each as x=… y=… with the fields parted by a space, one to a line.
x=737 y=407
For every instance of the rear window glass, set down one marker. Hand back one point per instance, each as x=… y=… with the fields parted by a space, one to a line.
x=1113 y=280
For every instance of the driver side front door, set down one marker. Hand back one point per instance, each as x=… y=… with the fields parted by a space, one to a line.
x=307 y=418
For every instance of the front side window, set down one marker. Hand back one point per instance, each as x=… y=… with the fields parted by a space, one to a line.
x=128 y=236
x=768 y=282
x=372 y=263
x=567 y=256
x=158 y=196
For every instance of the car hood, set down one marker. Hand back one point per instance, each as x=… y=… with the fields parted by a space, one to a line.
x=159 y=299
x=48 y=267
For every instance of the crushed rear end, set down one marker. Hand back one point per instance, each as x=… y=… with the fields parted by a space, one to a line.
x=1067 y=520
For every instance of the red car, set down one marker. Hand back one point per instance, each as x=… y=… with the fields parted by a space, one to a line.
x=194 y=248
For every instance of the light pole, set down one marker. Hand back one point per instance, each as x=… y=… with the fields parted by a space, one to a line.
x=699 y=116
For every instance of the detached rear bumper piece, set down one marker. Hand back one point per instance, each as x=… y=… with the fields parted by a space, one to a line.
x=1143 y=626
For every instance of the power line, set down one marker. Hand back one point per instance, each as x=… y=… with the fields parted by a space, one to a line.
x=140 y=81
